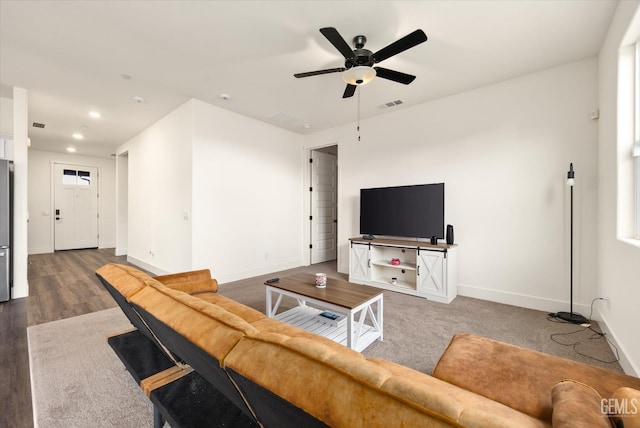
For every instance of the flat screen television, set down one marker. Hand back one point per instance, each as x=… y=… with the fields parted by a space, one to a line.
x=404 y=211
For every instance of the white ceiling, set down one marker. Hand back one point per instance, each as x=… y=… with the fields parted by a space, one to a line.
x=71 y=56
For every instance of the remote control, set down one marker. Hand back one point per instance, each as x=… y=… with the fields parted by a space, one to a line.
x=272 y=280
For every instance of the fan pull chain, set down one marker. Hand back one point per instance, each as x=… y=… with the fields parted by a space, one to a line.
x=358 y=127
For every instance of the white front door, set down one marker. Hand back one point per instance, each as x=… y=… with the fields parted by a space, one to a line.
x=75 y=207
x=323 y=207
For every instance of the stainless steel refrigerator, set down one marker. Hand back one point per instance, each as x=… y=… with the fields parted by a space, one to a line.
x=6 y=229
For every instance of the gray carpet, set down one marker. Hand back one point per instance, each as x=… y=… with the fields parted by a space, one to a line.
x=78 y=381
x=417 y=331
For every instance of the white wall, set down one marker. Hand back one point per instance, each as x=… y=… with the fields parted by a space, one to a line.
x=159 y=191
x=236 y=180
x=6 y=116
x=503 y=152
x=41 y=221
x=20 y=188
x=619 y=259
x=122 y=204
x=247 y=195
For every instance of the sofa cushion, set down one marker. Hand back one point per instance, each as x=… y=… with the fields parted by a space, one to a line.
x=576 y=405
x=341 y=387
x=624 y=408
x=270 y=325
x=477 y=411
x=126 y=279
x=194 y=287
x=518 y=377
x=208 y=326
x=245 y=312
x=184 y=277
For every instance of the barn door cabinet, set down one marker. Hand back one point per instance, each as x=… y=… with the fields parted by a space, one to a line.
x=423 y=269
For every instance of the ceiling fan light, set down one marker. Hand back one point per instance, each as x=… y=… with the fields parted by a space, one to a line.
x=360 y=75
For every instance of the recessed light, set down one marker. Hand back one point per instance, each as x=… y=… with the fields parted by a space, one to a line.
x=78 y=136
x=71 y=149
x=138 y=99
x=95 y=114
x=225 y=97
x=306 y=126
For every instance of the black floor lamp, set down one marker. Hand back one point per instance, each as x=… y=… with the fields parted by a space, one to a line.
x=571 y=316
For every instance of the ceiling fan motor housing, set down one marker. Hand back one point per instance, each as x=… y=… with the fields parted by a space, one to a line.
x=362 y=57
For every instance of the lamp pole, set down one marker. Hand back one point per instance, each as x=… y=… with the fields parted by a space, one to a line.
x=570 y=316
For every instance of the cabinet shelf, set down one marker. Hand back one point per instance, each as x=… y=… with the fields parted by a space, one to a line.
x=425 y=270
x=405 y=266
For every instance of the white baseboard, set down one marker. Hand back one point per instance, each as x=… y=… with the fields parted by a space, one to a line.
x=236 y=276
x=523 y=300
x=627 y=364
x=224 y=278
x=146 y=266
x=344 y=269
x=120 y=251
x=550 y=305
x=41 y=250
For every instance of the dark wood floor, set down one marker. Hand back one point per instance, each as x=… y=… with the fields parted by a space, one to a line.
x=61 y=285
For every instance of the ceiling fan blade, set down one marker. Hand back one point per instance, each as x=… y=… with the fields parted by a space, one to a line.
x=318 y=72
x=400 y=45
x=349 y=91
x=338 y=42
x=396 y=76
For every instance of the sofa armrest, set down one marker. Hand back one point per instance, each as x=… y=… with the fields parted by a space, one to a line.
x=196 y=281
x=624 y=409
x=518 y=377
x=194 y=287
x=182 y=277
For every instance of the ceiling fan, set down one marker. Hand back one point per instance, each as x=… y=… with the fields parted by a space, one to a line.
x=359 y=61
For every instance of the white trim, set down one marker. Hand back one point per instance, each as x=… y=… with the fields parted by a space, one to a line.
x=627 y=365
x=146 y=266
x=522 y=300
x=41 y=250
x=223 y=279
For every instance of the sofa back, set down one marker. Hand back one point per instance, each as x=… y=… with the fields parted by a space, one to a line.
x=191 y=330
x=289 y=377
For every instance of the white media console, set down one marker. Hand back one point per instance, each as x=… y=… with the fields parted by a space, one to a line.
x=425 y=270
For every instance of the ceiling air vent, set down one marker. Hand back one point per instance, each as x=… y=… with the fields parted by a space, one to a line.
x=391 y=104
x=38 y=125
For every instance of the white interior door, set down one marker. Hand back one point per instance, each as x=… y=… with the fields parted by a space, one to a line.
x=75 y=207
x=323 y=206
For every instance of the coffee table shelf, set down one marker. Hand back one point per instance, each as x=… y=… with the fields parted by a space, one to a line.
x=361 y=306
x=305 y=317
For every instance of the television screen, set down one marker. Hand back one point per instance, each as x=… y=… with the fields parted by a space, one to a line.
x=404 y=211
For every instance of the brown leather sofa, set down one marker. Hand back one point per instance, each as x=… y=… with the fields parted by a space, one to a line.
x=278 y=375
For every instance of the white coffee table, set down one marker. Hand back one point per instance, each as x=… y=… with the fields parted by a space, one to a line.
x=361 y=305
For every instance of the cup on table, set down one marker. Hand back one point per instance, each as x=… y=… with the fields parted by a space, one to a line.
x=321 y=280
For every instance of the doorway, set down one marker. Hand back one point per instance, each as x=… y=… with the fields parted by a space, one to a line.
x=75 y=207
x=323 y=204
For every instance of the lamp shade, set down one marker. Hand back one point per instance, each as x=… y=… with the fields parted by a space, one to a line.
x=359 y=75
